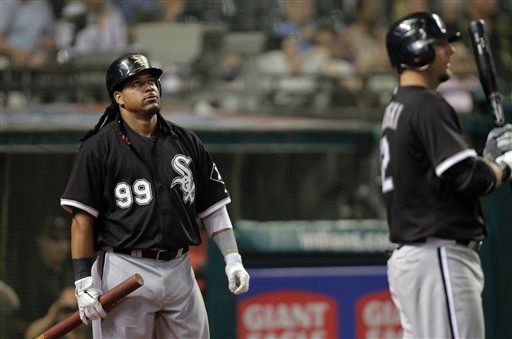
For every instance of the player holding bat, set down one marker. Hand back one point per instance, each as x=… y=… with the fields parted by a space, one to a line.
x=137 y=187
x=432 y=180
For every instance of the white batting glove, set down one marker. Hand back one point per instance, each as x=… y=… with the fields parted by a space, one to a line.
x=506 y=159
x=499 y=141
x=238 y=278
x=87 y=297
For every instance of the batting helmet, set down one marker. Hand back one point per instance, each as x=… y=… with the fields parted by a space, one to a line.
x=409 y=40
x=127 y=66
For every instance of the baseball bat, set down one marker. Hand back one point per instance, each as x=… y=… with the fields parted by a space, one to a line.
x=108 y=300
x=486 y=69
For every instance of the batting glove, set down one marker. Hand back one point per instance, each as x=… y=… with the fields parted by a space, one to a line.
x=87 y=297
x=506 y=159
x=238 y=278
x=499 y=141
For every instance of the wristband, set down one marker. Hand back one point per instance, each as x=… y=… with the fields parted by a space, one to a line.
x=233 y=258
x=82 y=268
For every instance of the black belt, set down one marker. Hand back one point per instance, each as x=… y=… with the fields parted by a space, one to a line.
x=472 y=244
x=156 y=254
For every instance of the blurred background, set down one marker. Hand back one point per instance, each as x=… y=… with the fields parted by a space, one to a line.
x=288 y=96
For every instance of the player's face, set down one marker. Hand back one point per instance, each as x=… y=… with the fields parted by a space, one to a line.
x=140 y=94
x=441 y=66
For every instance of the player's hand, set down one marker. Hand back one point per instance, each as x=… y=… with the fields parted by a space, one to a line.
x=238 y=278
x=87 y=297
x=499 y=141
x=506 y=159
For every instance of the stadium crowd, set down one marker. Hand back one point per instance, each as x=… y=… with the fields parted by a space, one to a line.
x=314 y=55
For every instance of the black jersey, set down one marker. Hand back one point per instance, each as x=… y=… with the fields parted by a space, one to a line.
x=147 y=193
x=421 y=139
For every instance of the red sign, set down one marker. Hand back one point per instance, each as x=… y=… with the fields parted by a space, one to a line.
x=288 y=315
x=377 y=316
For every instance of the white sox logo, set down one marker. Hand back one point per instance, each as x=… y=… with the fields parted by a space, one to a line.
x=185 y=180
x=140 y=60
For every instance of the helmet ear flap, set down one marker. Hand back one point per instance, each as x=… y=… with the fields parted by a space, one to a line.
x=419 y=54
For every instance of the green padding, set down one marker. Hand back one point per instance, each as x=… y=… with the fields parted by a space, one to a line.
x=344 y=236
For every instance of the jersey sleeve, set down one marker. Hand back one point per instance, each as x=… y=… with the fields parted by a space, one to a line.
x=85 y=185
x=439 y=132
x=211 y=191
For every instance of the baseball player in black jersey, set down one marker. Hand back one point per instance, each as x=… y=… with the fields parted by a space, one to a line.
x=431 y=181
x=137 y=186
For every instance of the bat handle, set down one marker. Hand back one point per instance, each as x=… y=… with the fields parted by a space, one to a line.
x=108 y=300
x=497 y=109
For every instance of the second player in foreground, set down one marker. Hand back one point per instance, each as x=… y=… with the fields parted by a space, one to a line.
x=432 y=180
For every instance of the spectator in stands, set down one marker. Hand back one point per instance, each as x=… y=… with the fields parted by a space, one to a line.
x=401 y=8
x=365 y=39
x=60 y=309
x=48 y=271
x=298 y=20
x=328 y=51
x=26 y=32
x=57 y=6
x=287 y=77
x=326 y=47
x=230 y=70
x=174 y=10
x=289 y=60
x=157 y=11
x=140 y=11
x=92 y=26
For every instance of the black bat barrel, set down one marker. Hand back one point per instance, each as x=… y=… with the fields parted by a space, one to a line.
x=486 y=70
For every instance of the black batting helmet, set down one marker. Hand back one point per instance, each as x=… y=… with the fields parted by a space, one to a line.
x=409 y=40
x=127 y=66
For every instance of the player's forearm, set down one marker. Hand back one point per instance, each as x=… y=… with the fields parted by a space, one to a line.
x=219 y=227
x=82 y=235
x=226 y=241
x=82 y=244
x=500 y=172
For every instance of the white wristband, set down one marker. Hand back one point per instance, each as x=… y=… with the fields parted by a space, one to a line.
x=83 y=284
x=233 y=258
x=217 y=221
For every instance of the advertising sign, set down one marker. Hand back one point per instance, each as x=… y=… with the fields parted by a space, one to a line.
x=319 y=303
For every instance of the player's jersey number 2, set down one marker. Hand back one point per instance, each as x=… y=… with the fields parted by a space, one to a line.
x=140 y=192
x=385 y=157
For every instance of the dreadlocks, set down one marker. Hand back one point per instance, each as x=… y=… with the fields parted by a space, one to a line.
x=112 y=112
x=109 y=115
